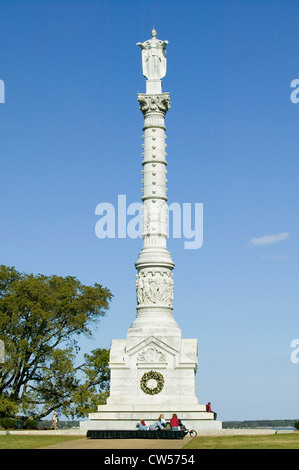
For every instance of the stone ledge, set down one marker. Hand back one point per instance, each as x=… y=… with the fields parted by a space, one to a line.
x=48 y=432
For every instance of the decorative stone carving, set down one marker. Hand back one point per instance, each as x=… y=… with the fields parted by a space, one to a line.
x=152 y=382
x=151 y=354
x=154 y=288
x=153 y=57
x=154 y=103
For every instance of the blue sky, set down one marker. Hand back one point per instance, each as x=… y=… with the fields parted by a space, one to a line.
x=70 y=138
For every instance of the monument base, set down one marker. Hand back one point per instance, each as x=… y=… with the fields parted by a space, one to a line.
x=134 y=395
x=111 y=417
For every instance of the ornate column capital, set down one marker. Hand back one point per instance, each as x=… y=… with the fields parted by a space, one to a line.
x=154 y=103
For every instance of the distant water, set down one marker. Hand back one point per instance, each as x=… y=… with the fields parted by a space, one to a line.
x=287 y=428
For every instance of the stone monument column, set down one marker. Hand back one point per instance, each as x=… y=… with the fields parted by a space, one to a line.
x=154 y=281
x=153 y=369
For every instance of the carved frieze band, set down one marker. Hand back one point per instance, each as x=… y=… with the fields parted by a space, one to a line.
x=154 y=288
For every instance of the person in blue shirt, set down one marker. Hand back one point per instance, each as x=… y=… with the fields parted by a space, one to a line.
x=163 y=421
x=156 y=426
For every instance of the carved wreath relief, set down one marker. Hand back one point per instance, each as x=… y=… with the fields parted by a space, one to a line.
x=152 y=382
x=154 y=288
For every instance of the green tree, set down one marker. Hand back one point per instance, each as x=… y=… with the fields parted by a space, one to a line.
x=41 y=319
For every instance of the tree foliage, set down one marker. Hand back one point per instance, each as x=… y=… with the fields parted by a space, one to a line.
x=41 y=319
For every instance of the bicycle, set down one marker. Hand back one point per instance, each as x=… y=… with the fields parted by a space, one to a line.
x=192 y=432
x=182 y=427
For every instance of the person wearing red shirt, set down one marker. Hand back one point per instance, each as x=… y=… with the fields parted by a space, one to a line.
x=209 y=410
x=174 y=422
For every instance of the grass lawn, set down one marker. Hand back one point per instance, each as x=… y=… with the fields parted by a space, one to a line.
x=271 y=441
x=32 y=442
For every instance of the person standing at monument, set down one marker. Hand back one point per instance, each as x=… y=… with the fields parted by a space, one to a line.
x=54 y=421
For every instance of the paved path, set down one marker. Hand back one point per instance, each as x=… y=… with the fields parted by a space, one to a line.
x=121 y=444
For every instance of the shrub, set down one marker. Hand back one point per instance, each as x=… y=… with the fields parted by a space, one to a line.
x=296 y=424
x=8 y=423
x=30 y=423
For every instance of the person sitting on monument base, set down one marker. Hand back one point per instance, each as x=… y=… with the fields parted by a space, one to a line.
x=163 y=420
x=174 y=422
x=142 y=426
x=209 y=410
x=156 y=426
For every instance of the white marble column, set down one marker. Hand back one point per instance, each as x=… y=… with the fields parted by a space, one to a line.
x=154 y=280
x=153 y=369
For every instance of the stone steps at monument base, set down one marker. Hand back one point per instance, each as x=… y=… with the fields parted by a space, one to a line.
x=166 y=402
x=153 y=407
x=137 y=415
x=127 y=416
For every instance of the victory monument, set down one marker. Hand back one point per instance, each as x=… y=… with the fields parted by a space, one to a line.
x=153 y=369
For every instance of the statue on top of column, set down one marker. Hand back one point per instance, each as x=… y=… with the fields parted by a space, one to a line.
x=153 y=57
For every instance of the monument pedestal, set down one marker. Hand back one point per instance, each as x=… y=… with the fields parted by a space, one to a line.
x=112 y=418
x=152 y=375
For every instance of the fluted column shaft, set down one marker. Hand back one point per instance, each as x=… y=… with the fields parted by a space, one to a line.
x=154 y=281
